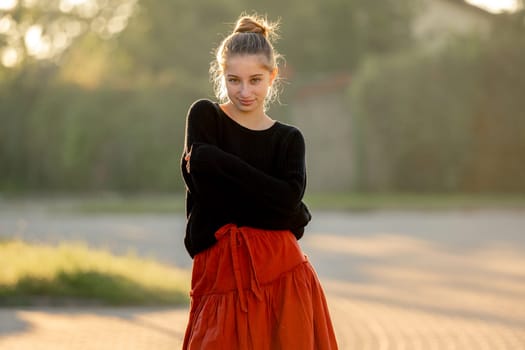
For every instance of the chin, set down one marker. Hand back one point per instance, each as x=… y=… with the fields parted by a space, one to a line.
x=247 y=108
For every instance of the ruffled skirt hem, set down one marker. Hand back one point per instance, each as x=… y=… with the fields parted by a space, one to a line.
x=256 y=290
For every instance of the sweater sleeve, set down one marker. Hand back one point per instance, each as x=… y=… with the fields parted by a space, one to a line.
x=200 y=128
x=201 y=124
x=281 y=195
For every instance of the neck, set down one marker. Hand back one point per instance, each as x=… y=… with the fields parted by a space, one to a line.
x=256 y=120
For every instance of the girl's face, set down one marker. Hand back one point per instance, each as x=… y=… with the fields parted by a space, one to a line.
x=247 y=82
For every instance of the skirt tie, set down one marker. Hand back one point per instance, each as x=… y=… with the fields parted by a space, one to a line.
x=238 y=237
x=255 y=290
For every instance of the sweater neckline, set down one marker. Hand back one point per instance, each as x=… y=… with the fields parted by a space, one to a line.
x=242 y=127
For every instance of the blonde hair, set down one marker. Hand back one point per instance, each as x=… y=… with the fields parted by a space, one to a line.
x=252 y=35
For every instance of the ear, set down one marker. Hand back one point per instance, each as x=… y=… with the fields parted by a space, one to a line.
x=273 y=75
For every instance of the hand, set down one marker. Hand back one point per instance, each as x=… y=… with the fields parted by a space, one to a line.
x=187 y=159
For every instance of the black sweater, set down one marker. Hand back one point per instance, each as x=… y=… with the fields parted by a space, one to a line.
x=237 y=175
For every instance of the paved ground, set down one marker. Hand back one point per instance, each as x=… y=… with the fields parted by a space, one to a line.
x=394 y=280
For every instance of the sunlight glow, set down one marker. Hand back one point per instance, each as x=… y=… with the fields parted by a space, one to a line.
x=29 y=3
x=10 y=57
x=6 y=23
x=8 y=4
x=37 y=45
x=85 y=8
x=47 y=39
x=71 y=3
x=496 y=6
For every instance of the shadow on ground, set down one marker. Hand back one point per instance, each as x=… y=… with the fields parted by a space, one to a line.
x=417 y=293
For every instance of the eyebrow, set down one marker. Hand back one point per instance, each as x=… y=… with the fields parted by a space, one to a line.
x=251 y=76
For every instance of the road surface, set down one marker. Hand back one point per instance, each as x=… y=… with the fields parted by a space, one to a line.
x=394 y=280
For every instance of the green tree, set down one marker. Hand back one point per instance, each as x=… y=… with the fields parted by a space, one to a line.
x=336 y=35
x=98 y=100
x=449 y=120
x=45 y=29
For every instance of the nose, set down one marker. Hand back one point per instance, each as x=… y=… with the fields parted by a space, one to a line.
x=245 y=90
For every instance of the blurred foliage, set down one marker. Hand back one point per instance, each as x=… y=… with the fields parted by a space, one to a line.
x=106 y=109
x=75 y=272
x=335 y=35
x=106 y=112
x=43 y=29
x=105 y=138
x=450 y=120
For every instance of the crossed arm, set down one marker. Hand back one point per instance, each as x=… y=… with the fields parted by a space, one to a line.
x=211 y=173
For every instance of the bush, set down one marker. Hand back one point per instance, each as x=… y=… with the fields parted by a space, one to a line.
x=450 y=120
x=31 y=273
x=67 y=138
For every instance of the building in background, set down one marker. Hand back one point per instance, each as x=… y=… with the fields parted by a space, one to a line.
x=321 y=109
x=438 y=20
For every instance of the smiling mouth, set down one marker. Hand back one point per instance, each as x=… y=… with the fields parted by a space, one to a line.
x=246 y=102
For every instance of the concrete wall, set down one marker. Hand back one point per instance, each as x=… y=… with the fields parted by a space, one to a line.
x=438 y=19
x=326 y=125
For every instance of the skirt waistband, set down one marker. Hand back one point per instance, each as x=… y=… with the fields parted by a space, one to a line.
x=244 y=258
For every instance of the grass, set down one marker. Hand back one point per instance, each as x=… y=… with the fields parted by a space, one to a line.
x=318 y=201
x=117 y=204
x=140 y=204
x=343 y=201
x=412 y=201
x=32 y=273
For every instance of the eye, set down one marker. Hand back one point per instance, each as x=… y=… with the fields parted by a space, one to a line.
x=233 y=80
x=255 y=80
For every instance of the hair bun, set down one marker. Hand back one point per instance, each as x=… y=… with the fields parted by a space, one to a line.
x=255 y=24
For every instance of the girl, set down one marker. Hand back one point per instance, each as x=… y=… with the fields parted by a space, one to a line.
x=252 y=287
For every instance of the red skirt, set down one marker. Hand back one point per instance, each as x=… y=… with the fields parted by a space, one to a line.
x=255 y=289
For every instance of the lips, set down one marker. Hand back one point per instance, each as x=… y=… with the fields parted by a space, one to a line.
x=246 y=102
